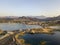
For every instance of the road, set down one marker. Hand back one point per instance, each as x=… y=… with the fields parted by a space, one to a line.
x=8 y=39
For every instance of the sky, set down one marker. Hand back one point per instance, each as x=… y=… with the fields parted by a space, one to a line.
x=29 y=7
